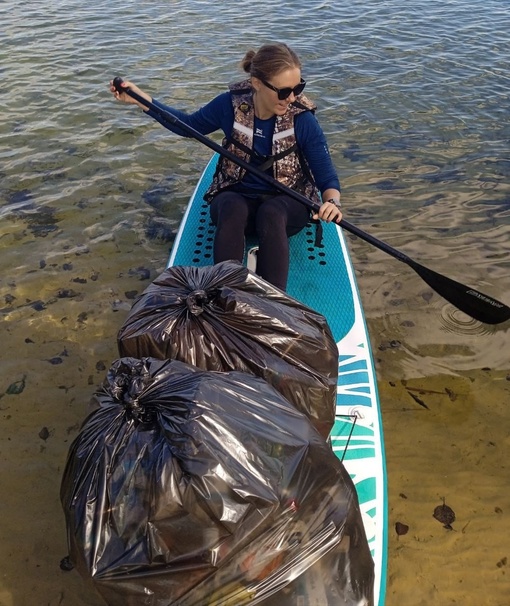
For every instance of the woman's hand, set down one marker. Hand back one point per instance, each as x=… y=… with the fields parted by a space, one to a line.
x=125 y=98
x=329 y=212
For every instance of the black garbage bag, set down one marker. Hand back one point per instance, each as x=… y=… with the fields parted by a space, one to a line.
x=196 y=488
x=224 y=317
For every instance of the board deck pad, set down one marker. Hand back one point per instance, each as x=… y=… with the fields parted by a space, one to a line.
x=322 y=277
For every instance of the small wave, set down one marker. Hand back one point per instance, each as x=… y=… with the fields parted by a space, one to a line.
x=454 y=320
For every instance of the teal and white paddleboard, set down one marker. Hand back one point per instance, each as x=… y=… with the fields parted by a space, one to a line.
x=323 y=279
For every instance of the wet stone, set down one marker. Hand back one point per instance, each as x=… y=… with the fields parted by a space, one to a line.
x=142 y=272
x=38 y=305
x=159 y=229
x=393 y=344
x=16 y=388
x=444 y=514
x=65 y=564
x=55 y=360
x=66 y=293
x=158 y=194
x=44 y=434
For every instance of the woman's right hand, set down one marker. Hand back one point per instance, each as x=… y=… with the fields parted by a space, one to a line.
x=125 y=98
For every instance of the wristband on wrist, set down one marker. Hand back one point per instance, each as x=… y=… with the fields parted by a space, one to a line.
x=337 y=203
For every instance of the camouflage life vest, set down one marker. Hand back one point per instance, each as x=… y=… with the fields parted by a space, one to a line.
x=289 y=166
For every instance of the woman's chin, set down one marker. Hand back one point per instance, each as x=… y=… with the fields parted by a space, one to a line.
x=281 y=109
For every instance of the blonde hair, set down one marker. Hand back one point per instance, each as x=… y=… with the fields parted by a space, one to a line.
x=269 y=60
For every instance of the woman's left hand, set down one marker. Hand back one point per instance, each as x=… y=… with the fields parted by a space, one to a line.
x=329 y=212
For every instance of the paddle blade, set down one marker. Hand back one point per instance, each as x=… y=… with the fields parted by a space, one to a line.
x=472 y=302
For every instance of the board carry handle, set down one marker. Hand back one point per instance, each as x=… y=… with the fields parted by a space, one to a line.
x=474 y=303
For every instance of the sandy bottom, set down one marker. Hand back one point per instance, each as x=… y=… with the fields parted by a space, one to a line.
x=455 y=449
x=446 y=437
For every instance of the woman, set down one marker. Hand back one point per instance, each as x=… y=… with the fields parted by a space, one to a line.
x=268 y=122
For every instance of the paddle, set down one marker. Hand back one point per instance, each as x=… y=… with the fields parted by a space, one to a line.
x=472 y=302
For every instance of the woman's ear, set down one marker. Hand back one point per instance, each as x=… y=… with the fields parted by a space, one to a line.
x=255 y=83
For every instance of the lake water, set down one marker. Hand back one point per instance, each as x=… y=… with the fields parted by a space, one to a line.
x=414 y=97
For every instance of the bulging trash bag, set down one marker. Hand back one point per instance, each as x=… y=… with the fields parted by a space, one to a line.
x=196 y=488
x=224 y=317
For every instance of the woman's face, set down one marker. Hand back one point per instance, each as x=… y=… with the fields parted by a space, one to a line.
x=268 y=104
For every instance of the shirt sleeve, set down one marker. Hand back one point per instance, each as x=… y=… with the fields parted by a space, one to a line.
x=312 y=142
x=218 y=114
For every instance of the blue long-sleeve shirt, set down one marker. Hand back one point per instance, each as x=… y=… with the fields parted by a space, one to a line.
x=218 y=114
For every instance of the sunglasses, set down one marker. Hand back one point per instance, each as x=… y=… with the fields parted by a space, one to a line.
x=285 y=93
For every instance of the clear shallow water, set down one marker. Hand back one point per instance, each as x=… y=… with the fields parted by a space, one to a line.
x=415 y=100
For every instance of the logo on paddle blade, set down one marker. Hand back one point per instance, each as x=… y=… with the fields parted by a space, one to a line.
x=485 y=298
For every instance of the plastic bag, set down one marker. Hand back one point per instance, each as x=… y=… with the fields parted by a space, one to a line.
x=223 y=318
x=205 y=489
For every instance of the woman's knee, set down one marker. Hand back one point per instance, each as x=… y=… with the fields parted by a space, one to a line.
x=228 y=206
x=271 y=216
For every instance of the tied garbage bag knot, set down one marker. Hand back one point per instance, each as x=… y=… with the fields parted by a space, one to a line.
x=196 y=301
x=128 y=382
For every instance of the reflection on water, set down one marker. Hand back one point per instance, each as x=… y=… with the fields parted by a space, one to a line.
x=414 y=99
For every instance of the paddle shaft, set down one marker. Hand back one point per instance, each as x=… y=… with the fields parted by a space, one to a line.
x=474 y=303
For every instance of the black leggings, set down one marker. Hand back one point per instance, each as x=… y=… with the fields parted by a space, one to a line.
x=273 y=219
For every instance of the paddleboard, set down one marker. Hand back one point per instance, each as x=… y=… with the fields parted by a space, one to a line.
x=323 y=278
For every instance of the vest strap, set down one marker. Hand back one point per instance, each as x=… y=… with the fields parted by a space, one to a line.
x=270 y=160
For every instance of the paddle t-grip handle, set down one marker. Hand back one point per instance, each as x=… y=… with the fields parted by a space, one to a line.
x=117 y=83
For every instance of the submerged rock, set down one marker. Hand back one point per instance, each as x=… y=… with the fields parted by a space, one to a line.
x=444 y=514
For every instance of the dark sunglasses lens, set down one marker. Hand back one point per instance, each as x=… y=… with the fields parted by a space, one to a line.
x=299 y=88
x=285 y=93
